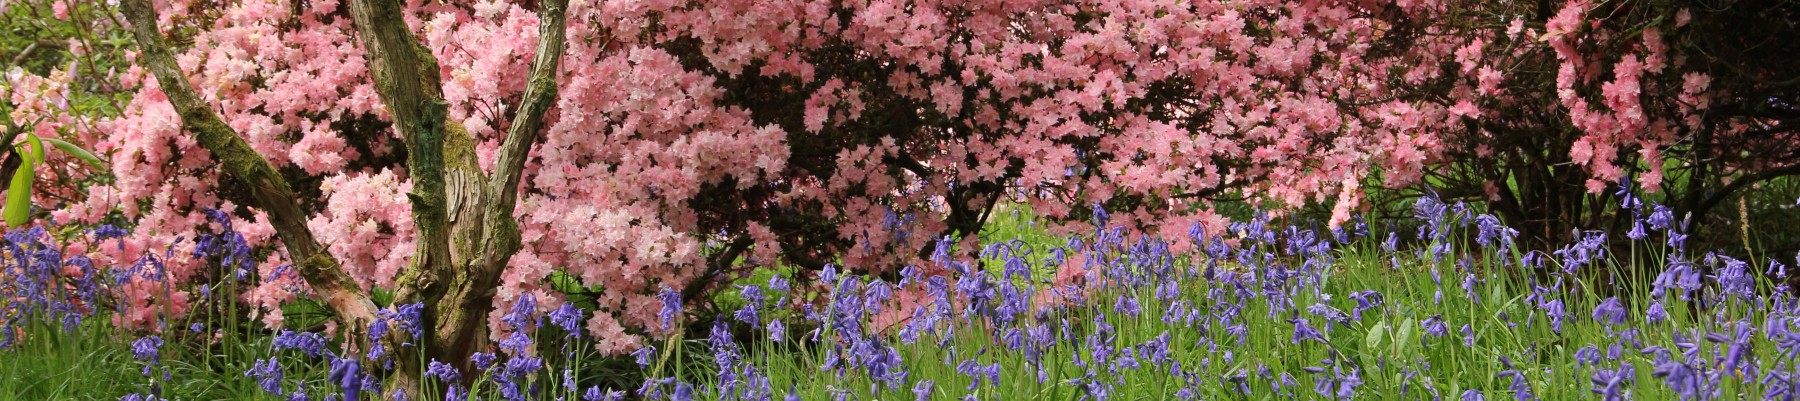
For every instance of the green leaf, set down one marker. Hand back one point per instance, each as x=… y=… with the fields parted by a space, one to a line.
x=304 y=313
x=78 y=152
x=1404 y=340
x=1376 y=334
x=37 y=149
x=18 y=194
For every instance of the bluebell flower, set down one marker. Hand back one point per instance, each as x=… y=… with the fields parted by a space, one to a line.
x=1736 y=278
x=1519 y=386
x=307 y=342
x=347 y=374
x=1613 y=384
x=1610 y=312
x=595 y=394
x=1490 y=232
x=268 y=375
x=568 y=317
x=147 y=349
x=671 y=306
x=1661 y=217
x=1637 y=232
x=442 y=371
x=777 y=330
x=482 y=360
x=1434 y=327
x=410 y=317
x=523 y=313
x=1587 y=355
x=1473 y=395
x=1554 y=310
x=1347 y=384
x=1328 y=313
x=1304 y=331
x=1681 y=378
x=1655 y=314
x=922 y=390
x=1365 y=300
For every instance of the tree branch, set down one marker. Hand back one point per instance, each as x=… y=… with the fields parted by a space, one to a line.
x=1706 y=206
x=540 y=93
x=406 y=77
x=270 y=191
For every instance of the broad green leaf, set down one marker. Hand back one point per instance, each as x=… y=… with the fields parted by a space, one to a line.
x=18 y=194
x=1404 y=340
x=78 y=152
x=37 y=148
x=1376 y=334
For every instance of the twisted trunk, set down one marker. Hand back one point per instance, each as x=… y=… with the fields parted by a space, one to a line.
x=463 y=218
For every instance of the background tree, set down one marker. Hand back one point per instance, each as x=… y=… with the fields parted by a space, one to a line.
x=1574 y=97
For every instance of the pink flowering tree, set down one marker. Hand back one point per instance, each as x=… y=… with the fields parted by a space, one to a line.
x=1564 y=100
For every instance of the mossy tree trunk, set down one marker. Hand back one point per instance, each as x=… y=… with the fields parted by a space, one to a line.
x=463 y=217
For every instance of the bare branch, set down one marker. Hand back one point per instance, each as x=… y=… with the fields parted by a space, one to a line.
x=540 y=93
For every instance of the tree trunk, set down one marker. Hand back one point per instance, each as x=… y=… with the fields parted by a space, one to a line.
x=463 y=217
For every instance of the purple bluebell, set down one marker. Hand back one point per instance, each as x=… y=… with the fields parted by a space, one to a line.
x=1490 y=232
x=1661 y=217
x=568 y=317
x=777 y=330
x=1610 y=312
x=442 y=371
x=1613 y=384
x=148 y=349
x=1304 y=331
x=346 y=373
x=410 y=318
x=1655 y=314
x=482 y=360
x=268 y=375
x=1365 y=300
x=1554 y=310
x=671 y=306
x=1329 y=313
x=1519 y=385
x=1434 y=327
x=308 y=342
x=1681 y=378
x=1468 y=332
x=1472 y=395
x=1637 y=232
x=610 y=395
x=1588 y=355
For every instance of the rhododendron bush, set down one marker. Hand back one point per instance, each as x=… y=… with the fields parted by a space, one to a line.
x=673 y=146
x=1572 y=97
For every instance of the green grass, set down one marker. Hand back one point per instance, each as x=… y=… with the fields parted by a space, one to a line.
x=50 y=364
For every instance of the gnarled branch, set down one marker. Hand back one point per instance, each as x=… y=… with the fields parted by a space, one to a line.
x=271 y=192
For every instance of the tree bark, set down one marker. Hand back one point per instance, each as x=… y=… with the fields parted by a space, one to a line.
x=465 y=227
x=463 y=218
